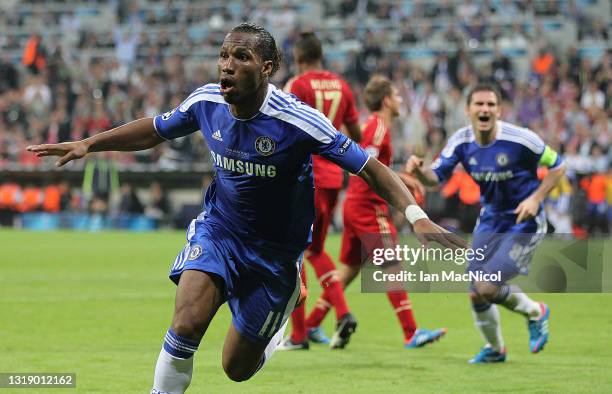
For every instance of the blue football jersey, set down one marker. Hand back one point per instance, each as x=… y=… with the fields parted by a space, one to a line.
x=263 y=190
x=505 y=170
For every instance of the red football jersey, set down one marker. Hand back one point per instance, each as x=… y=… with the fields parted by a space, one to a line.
x=332 y=96
x=376 y=140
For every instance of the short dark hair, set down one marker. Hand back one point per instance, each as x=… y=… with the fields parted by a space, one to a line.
x=308 y=48
x=376 y=90
x=266 y=45
x=484 y=87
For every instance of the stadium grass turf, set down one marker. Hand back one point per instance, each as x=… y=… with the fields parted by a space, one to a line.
x=98 y=305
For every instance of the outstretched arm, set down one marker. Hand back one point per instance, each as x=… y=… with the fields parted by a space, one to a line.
x=426 y=175
x=389 y=186
x=137 y=135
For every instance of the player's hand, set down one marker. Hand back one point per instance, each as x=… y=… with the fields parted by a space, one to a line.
x=527 y=209
x=67 y=150
x=413 y=164
x=412 y=184
x=425 y=230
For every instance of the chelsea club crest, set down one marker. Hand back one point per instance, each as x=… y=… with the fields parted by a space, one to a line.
x=501 y=159
x=265 y=145
x=194 y=252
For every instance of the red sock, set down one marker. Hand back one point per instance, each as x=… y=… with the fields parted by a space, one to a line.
x=332 y=288
x=403 y=310
x=298 y=327
x=318 y=312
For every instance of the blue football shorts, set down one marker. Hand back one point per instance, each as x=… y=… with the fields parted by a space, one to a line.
x=261 y=286
x=507 y=247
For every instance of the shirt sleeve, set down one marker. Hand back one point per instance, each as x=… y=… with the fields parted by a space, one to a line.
x=344 y=152
x=550 y=158
x=444 y=165
x=176 y=123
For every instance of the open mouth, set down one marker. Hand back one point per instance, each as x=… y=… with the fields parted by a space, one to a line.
x=484 y=118
x=226 y=84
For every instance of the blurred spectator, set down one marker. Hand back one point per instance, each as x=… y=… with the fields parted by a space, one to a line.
x=557 y=204
x=34 y=54
x=501 y=67
x=592 y=97
x=129 y=202
x=10 y=198
x=543 y=63
x=368 y=58
x=100 y=182
x=440 y=76
x=529 y=105
x=9 y=78
x=158 y=207
x=596 y=187
x=126 y=44
x=59 y=127
x=31 y=199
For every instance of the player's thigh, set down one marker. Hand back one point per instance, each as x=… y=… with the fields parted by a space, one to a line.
x=198 y=297
x=350 y=248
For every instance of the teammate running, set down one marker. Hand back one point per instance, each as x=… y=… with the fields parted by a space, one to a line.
x=503 y=159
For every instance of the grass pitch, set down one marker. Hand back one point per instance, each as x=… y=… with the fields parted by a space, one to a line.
x=98 y=305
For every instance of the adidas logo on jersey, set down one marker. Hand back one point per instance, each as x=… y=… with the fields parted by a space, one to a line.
x=473 y=161
x=217 y=135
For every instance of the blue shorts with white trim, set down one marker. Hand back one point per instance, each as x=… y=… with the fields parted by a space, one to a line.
x=507 y=247
x=261 y=287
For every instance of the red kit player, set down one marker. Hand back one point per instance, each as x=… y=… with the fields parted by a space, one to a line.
x=366 y=215
x=331 y=95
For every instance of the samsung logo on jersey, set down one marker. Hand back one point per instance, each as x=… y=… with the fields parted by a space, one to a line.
x=492 y=176
x=243 y=166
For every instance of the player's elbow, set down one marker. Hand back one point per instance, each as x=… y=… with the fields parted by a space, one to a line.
x=558 y=171
x=562 y=168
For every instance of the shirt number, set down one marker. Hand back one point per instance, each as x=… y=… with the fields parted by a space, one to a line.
x=328 y=95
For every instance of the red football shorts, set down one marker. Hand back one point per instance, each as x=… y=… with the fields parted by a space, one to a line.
x=367 y=226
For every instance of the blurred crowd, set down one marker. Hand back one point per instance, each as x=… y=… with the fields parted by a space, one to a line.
x=96 y=66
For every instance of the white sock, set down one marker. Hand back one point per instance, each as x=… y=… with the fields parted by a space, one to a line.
x=273 y=344
x=488 y=323
x=521 y=303
x=172 y=374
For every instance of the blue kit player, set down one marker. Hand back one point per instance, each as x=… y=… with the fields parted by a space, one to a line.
x=503 y=160
x=245 y=248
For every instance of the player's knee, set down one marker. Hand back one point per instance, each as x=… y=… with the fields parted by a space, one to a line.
x=485 y=290
x=186 y=327
x=477 y=299
x=237 y=372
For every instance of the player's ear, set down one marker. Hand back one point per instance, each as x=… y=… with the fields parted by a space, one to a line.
x=266 y=69
x=386 y=103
